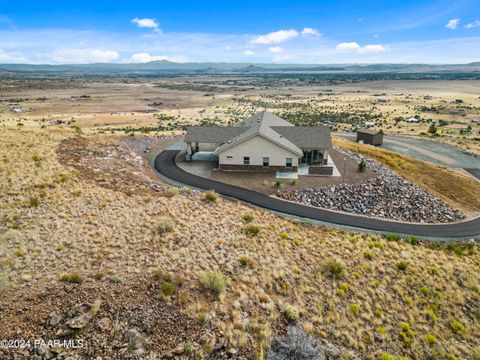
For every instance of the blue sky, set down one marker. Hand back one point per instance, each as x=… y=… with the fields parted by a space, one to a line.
x=279 y=31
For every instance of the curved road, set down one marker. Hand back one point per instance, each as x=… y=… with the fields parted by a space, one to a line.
x=165 y=164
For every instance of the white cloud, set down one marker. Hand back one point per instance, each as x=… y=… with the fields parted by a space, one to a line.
x=146 y=57
x=347 y=46
x=452 y=24
x=147 y=23
x=367 y=49
x=275 y=37
x=472 y=25
x=82 y=56
x=310 y=32
x=275 y=49
x=376 y=48
x=12 y=57
x=248 y=53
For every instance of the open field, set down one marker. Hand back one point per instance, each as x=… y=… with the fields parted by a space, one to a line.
x=107 y=233
x=84 y=218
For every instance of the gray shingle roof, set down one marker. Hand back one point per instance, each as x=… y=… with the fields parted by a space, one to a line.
x=268 y=125
x=306 y=137
x=211 y=134
x=369 y=131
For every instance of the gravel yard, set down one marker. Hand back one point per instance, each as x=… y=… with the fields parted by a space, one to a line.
x=386 y=195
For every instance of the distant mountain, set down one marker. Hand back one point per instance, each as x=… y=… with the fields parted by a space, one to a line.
x=168 y=67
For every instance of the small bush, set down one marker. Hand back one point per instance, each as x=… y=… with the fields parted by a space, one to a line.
x=248 y=218
x=34 y=202
x=214 y=281
x=387 y=356
x=251 y=230
x=413 y=240
x=406 y=333
x=172 y=192
x=368 y=255
x=291 y=313
x=294 y=182
x=457 y=327
x=333 y=269
x=246 y=261
x=392 y=237
x=376 y=244
x=168 y=288
x=60 y=248
x=284 y=235
x=425 y=290
x=355 y=308
x=362 y=166
x=211 y=196
x=429 y=338
x=72 y=278
x=164 y=225
x=434 y=270
x=278 y=184
x=264 y=298
x=402 y=266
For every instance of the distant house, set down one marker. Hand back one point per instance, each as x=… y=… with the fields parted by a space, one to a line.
x=263 y=143
x=369 y=123
x=370 y=136
x=412 y=120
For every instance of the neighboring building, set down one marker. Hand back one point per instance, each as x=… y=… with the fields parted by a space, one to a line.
x=263 y=142
x=370 y=136
x=412 y=120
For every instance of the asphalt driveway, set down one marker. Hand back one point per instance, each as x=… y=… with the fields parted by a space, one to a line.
x=166 y=166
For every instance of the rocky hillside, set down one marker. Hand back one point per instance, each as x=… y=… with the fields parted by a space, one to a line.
x=104 y=255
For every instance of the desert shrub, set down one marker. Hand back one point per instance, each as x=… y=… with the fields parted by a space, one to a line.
x=333 y=269
x=168 y=288
x=164 y=225
x=284 y=235
x=72 y=278
x=264 y=298
x=213 y=281
x=434 y=270
x=211 y=196
x=355 y=308
x=392 y=237
x=251 y=230
x=297 y=344
x=278 y=184
x=387 y=356
x=248 y=218
x=406 y=333
x=402 y=266
x=378 y=312
x=291 y=313
x=368 y=255
x=10 y=235
x=60 y=248
x=362 y=166
x=294 y=182
x=3 y=282
x=297 y=241
x=425 y=290
x=376 y=244
x=172 y=192
x=19 y=252
x=429 y=338
x=246 y=261
x=457 y=327
x=413 y=240
x=34 y=201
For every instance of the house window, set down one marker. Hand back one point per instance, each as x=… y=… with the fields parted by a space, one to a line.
x=229 y=157
x=246 y=160
x=266 y=161
x=288 y=162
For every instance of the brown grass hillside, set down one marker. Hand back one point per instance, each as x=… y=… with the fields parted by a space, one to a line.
x=369 y=295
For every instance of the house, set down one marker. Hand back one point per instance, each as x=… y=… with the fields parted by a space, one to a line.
x=263 y=143
x=370 y=136
x=412 y=120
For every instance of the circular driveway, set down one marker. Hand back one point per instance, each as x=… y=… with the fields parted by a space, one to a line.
x=165 y=165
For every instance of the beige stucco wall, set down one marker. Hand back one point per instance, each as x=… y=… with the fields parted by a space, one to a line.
x=257 y=147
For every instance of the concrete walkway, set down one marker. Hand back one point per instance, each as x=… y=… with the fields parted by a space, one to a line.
x=166 y=166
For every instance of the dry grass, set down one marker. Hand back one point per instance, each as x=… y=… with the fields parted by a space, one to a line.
x=105 y=231
x=453 y=187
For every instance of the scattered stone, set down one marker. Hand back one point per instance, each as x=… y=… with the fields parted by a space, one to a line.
x=387 y=195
